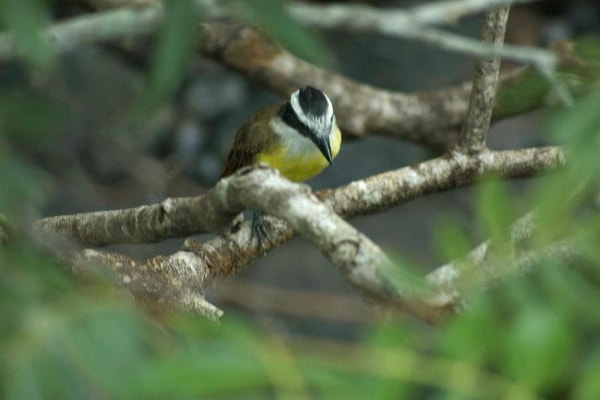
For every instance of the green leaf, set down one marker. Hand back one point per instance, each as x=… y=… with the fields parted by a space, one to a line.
x=588 y=386
x=173 y=50
x=451 y=240
x=539 y=347
x=559 y=196
x=27 y=116
x=522 y=94
x=578 y=127
x=495 y=211
x=295 y=37
x=211 y=367
x=572 y=291
x=475 y=336
x=26 y=20
x=588 y=47
x=403 y=273
x=384 y=335
x=23 y=188
x=555 y=200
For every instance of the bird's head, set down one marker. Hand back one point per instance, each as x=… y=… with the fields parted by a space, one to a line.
x=309 y=111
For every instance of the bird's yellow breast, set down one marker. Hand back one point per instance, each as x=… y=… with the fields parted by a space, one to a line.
x=299 y=166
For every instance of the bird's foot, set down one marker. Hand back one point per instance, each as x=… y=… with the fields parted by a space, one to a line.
x=259 y=230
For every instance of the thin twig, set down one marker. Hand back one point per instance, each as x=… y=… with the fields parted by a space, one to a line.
x=449 y=274
x=481 y=103
x=451 y=11
x=121 y=19
x=487 y=263
x=399 y=23
x=305 y=303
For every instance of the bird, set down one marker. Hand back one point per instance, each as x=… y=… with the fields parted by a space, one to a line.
x=299 y=137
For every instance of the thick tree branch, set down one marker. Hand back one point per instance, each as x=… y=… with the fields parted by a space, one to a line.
x=149 y=223
x=358 y=259
x=176 y=280
x=481 y=102
x=361 y=109
x=382 y=191
x=210 y=213
x=179 y=279
x=226 y=256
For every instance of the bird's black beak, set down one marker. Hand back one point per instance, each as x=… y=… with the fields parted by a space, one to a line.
x=325 y=147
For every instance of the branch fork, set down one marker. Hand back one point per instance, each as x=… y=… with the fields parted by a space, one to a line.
x=179 y=279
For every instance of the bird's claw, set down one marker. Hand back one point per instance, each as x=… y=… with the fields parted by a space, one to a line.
x=259 y=230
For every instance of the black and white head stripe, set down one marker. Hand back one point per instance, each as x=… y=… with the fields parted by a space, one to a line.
x=309 y=111
x=311 y=102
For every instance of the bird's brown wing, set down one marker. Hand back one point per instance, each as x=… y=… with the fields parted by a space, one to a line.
x=250 y=141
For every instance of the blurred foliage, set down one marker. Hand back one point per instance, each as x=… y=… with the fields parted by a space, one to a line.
x=50 y=116
x=522 y=94
x=173 y=49
x=533 y=335
x=272 y=15
x=580 y=73
x=25 y=19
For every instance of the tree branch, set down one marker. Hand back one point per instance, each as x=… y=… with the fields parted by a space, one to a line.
x=449 y=275
x=401 y=24
x=359 y=260
x=177 y=280
x=149 y=223
x=450 y=11
x=226 y=256
x=382 y=191
x=486 y=263
x=481 y=102
x=212 y=212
